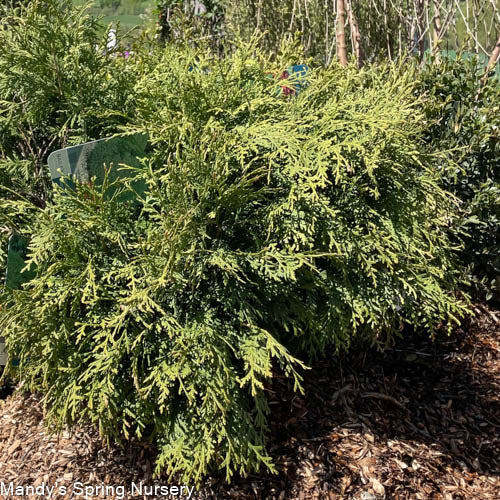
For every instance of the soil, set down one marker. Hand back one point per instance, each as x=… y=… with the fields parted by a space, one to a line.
x=419 y=420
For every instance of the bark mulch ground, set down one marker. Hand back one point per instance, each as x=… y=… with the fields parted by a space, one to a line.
x=420 y=420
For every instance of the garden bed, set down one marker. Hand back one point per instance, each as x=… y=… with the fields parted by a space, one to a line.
x=420 y=420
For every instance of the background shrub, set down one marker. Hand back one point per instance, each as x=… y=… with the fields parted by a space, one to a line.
x=273 y=227
x=465 y=111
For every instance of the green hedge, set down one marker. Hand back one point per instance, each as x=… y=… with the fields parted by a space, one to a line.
x=464 y=111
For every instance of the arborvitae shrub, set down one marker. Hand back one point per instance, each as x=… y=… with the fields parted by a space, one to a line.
x=271 y=224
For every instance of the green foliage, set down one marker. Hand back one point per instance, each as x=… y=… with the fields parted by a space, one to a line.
x=312 y=20
x=465 y=112
x=196 y=22
x=272 y=228
x=130 y=16
x=56 y=83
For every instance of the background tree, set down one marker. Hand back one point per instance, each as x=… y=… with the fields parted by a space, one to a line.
x=355 y=34
x=395 y=29
x=341 y=45
x=495 y=54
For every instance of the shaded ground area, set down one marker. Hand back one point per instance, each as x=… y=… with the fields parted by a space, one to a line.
x=421 y=420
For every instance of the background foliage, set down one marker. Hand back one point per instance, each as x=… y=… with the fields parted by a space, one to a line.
x=391 y=29
x=464 y=107
x=128 y=14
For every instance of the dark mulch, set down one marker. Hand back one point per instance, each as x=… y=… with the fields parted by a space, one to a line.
x=420 y=420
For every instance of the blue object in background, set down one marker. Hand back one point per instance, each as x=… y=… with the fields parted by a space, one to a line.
x=299 y=71
x=298 y=74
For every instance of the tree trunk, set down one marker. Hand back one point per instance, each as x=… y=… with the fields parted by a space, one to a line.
x=421 y=28
x=341 y=45
x=494 y=56
x=491 y=65
x=436 y=50
x=355 y=34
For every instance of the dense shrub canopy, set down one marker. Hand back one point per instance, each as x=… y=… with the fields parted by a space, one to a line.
x=272 y=228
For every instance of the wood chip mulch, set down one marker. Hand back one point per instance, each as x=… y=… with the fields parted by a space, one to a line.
x=419 y=420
